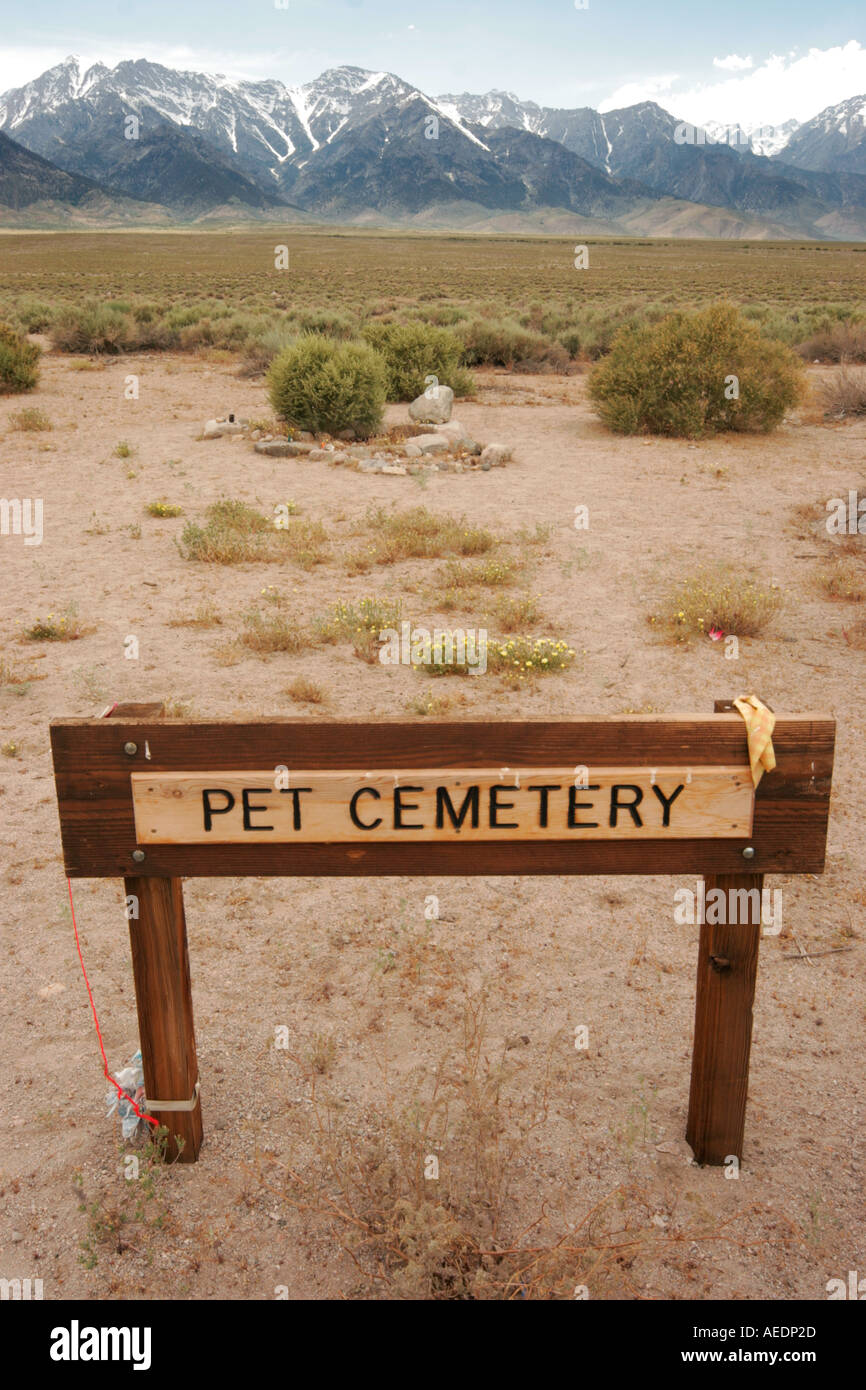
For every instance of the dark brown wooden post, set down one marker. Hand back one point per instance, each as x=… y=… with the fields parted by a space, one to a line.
x=727 y=972
x=163 y=995
x=727 y=969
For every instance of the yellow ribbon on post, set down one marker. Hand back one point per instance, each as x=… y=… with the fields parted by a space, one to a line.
x=760 y=723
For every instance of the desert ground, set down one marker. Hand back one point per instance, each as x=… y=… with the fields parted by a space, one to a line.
x=411 y=1035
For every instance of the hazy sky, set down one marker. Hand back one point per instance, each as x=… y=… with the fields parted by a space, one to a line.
x=735 y=60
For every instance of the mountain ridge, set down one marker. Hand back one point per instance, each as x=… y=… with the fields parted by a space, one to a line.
x=353 y=144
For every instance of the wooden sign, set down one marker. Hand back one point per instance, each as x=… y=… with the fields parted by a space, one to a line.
x=104 y=767
x=535 y=803
x=152 y=800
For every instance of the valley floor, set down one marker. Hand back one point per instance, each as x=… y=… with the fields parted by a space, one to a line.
x=466 y=1020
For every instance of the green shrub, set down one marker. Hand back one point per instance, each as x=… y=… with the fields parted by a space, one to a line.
x=18 y=361
x=328 y=322
x=841 y=342
x=153 y=334
x=145 y=313
x=495 y=342
x=504 y=343
x=183 y=315
x=33 y=314
x=323 y=385
x=674 y=377
x=92 y=327
x=263 y=347
x=444 y=315
x=414 y=351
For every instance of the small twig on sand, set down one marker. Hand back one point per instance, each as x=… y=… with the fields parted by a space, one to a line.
x=832 y=951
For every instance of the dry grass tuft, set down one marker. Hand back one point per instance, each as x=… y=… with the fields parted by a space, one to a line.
x=266 y=633
x=204 y=616
x=514 y=611
x=62 y=627
x=493 y=573
x=844 y=579
x=361 y=624
x=429 y=705
x=30 y=419
x=719 y=597
x=844 y=395
x=235 y=533
x=416 y=534
x=15 y=680
x=174 y=708
x=306 y=692
x=523 y=658
x=321 y=1053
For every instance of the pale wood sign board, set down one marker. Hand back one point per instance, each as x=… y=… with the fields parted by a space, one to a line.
x=281 y=806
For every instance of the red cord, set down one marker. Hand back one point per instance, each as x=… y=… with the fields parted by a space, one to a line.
x=120 y=1091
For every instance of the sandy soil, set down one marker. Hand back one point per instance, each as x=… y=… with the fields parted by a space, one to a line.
x=356 y=960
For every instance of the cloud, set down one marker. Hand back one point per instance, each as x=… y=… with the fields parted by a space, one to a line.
x=733 y=63
x=631 y=93
x=783 y=85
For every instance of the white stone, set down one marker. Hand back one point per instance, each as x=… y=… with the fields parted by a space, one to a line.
x=431 y=443
x=432 y=409
x=495 y=455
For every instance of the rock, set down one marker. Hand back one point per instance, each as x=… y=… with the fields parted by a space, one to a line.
x=274 y=448
x=256 y=434
x=215 y=428
x=486 y=465
x=359 y=451
x=394 y=468
x=306 y=436
x=347 y=435
x=284 y=448
x=320 y=455
x=369 y=465
x=432 y=409
x=338 y=457
x=459 y=438
x=411 y=451
x=431 y=443
x=496 y=455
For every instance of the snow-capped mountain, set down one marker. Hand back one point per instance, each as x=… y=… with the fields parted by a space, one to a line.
x=581 y=130
x=770 y=140
x=834 y=140
x=606 y=139
x=260 y=126
x=356 y=144
x=647 y=144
